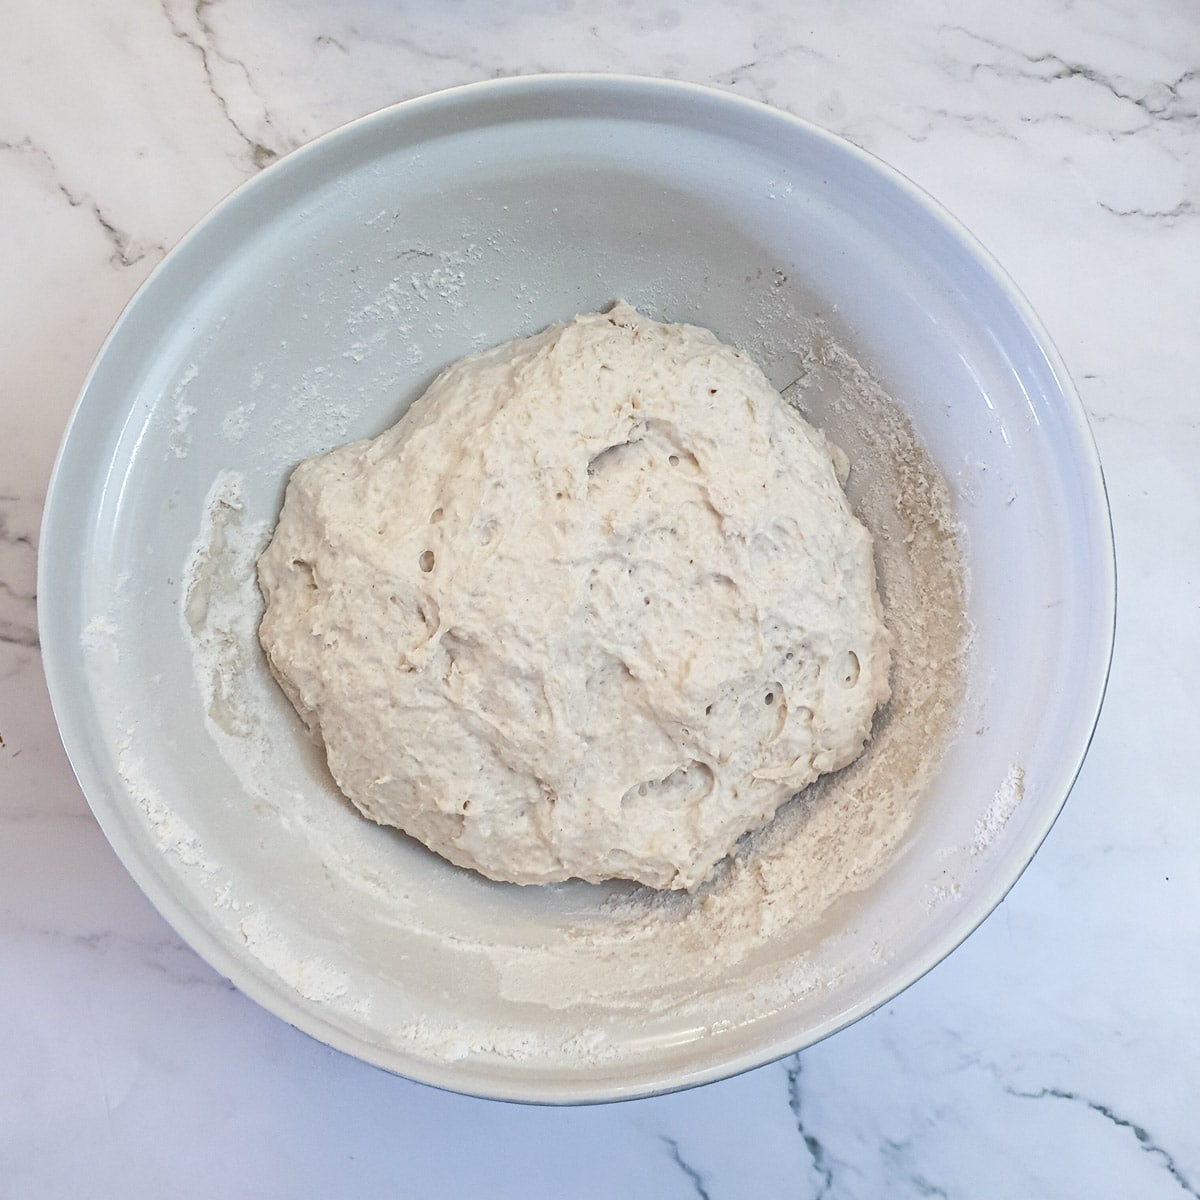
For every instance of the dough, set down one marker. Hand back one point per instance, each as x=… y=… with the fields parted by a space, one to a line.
x=595 y=607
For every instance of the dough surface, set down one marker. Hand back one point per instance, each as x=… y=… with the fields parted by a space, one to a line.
x=595 y=607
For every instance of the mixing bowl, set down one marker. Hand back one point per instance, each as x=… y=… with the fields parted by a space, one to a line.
x=317 y=301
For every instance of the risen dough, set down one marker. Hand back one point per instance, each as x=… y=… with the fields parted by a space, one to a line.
x=595 y=607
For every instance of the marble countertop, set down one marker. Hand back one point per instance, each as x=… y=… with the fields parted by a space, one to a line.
x=1054 y=1054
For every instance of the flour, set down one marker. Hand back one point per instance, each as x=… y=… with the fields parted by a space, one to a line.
x=172 y=834
x=998 y=813
x=182 y=414
x=586 y=966
x=219 y=620
x=100 y=636
x=218 y=610
x=312 y=977
x=236 y=421
x=427 y=275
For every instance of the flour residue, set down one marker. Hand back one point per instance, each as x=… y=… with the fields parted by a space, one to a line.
x=182 y=413
x=101 y=636
x=425 y=276
x=1004 y=803
x=310 y=976
x=171 y=832
x=582 y=968
x=219 y=618
x=236 y=421
x=220 y=604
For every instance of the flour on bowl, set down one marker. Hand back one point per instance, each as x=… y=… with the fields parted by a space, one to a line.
x=598 y=961
x=1008 y=797
x=220 y=608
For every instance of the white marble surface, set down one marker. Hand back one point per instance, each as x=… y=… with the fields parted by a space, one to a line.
x=1055 y=1054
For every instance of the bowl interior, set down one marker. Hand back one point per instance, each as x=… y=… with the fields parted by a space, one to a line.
x=315 y=304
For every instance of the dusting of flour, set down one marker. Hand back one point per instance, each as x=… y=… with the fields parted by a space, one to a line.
x=1008 y=796
x=586 y=964
x=219 y=619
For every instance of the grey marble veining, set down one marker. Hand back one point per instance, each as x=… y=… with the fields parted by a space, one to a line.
x=1053 y=1055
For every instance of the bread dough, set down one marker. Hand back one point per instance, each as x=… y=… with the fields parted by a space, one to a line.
x=595 y=607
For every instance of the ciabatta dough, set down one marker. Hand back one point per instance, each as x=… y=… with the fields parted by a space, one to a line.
x=595 y=607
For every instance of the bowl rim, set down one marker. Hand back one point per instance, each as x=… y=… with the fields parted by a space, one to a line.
x=59 y=655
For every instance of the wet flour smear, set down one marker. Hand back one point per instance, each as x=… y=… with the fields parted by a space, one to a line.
x=586 y=963
x=221 y=609
x=219 y=618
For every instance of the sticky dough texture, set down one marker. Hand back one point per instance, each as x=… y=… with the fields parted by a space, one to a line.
x=595 y=607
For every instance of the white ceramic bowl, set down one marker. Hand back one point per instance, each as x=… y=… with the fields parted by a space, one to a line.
x=323 y=296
